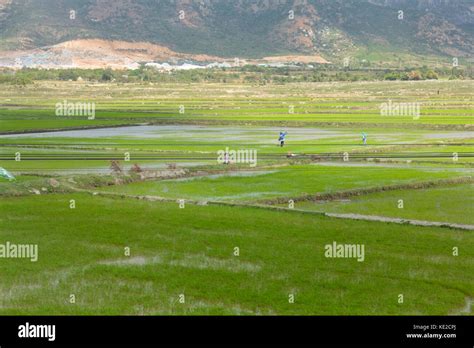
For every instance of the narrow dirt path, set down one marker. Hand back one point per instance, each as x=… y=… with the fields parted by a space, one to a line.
x=400 y=220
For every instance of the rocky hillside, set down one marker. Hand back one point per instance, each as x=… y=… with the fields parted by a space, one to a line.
x=248 y=28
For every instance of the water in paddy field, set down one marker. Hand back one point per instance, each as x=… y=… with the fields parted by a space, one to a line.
x=234 y=137
x=189 y=132
x=216 y=134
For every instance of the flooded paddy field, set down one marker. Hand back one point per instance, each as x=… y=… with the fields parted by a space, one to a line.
x=183 y=174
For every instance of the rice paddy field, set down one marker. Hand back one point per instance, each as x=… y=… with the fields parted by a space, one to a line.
x=134 y=213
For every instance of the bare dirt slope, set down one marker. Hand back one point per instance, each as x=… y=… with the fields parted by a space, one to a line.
x=98 y=53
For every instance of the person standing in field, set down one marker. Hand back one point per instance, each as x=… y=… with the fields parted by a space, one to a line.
x=364 y=138
x=281 y=138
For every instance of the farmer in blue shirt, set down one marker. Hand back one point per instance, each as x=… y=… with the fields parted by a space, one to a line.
x=364 y=138
x=281 y=138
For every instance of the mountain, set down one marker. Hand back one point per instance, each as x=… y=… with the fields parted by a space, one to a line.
x=332 y=29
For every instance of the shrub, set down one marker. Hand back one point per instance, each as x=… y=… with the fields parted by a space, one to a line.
x=414 y=75
x=431 y=75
